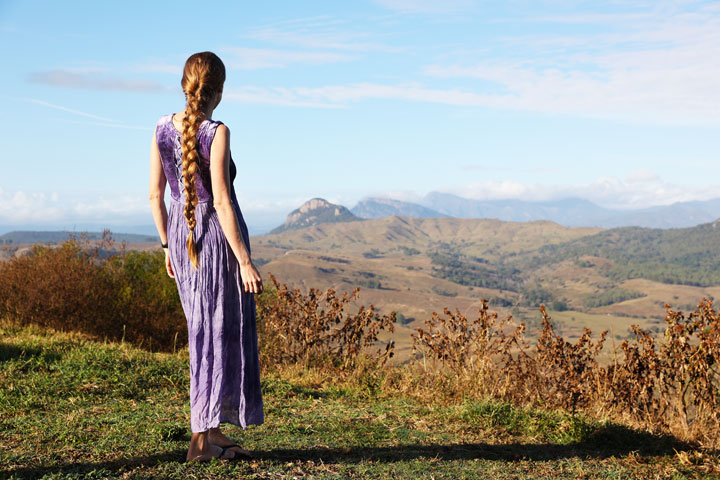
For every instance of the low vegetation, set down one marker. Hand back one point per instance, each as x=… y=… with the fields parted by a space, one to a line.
x=667 y=386
x=74 y=408
x=477 y=398
x=80 y=286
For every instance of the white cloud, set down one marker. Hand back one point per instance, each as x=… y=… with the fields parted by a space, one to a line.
x=93 y=80
x=640 y=189
x=642 y=175
x=22 y=207
x=103 y=207
x=256 y=58
x=52 y=208
x=27 y=207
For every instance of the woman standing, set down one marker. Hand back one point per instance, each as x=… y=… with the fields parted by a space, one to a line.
x=207 y=251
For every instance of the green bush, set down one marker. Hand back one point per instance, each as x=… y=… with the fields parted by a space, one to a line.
x=120 y=295
x=610 y=296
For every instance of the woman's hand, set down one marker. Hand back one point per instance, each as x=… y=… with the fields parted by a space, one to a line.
x=168 y=267
x=251 y=281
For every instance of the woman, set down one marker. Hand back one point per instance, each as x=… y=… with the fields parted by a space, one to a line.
x=207 y=252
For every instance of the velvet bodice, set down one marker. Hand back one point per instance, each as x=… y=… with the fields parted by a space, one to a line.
x=169 y=141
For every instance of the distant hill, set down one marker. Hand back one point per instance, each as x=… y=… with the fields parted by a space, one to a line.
x=313 y=212
x=676 y=215
x=17 y=237
x=571 y=212
x=372 y=208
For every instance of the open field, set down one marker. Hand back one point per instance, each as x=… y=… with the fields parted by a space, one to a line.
x=394 y=261
x=71 y=408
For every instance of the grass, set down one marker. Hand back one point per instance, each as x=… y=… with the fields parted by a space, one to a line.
x=72 y=408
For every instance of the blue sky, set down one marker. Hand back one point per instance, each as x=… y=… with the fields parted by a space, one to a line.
x=616 y=102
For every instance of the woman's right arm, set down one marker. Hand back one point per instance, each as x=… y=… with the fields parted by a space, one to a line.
x=157 y=199
x=221 y=187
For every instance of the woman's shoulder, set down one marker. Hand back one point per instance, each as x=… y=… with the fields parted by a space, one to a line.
x=162 y=128
x=164 y=119
x=211 y=127
x=209 y=130
x=213 y=123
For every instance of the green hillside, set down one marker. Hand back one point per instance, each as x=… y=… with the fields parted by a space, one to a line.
x=689 y=256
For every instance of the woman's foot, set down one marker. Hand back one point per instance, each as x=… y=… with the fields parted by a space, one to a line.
x=203 y=450
x=219 y=439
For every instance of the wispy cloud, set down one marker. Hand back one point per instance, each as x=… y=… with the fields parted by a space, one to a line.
x=656 y=68
x=325 y=33
x=277 y=96
x=426 y=6
x=160 y=66
x=69 y=110
x=650 y=68
x=100 y=121
x=256 y=58
x=94 y=81
x=115 y=125
x=339 y=96
x=500 y=168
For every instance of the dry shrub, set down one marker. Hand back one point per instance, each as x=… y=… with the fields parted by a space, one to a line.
x=668 y=385
x=461 y=356
x=557 y=373
x=315 y=328
x=84 y=287
x=673 y=382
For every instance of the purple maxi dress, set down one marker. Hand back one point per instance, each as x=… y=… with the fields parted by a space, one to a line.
x=222 y=334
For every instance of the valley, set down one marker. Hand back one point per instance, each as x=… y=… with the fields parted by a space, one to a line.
x=587 y=277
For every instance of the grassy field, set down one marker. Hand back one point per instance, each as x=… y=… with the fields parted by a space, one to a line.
x=74 y=408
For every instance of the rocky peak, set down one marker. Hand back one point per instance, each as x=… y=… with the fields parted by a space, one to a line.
x=313 y=212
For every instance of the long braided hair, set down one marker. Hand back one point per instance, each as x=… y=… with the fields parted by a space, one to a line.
x=203 y=77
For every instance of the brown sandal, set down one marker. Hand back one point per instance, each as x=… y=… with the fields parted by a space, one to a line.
x=242 y=453
x=220 y=456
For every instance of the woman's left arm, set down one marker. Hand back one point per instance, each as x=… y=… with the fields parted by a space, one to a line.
x=221 y=187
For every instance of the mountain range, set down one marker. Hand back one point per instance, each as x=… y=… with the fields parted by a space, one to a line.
x=570 y=212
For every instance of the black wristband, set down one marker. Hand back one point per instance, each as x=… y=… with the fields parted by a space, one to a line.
x=164 y=245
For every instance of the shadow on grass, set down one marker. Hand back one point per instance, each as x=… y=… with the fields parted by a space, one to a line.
x=81 y=468
x=11 y=352
x=612 y=440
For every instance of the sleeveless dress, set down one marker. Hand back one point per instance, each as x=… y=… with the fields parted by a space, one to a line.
x=222 y=333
